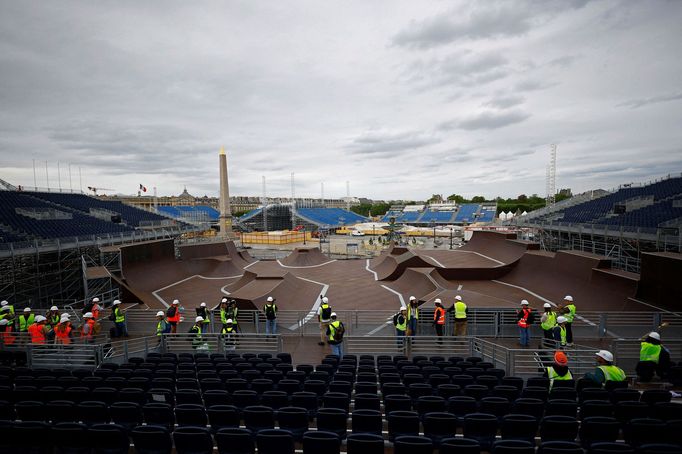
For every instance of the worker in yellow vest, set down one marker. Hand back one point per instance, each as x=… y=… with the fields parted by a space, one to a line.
x=559 y=370
x=548 y=322
x=606 y=371
x=461 y=311
x=568 y=311
x=560 y=331
x=412 y=316
x=653 y=358
x=401 y=326
x=26 y=319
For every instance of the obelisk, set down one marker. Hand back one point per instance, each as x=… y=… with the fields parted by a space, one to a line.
x=225 y=218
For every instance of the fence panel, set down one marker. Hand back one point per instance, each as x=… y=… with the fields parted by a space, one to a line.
x=65 y=356
x=626 y=352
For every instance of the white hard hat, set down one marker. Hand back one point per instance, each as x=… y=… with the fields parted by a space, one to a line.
x=27 y=309
x=546 y=305
x=64 y=317
x=524 y=302
x=270 y=299
x=605 y=355
x=199 y=319
x=4 y=308
x=54 y=308
x=4 y=303
x=202 y=305
x=176 y=302
x=95 y=300
x=458 y=298
x=325 y=300
x=160 y=314
x=561 y=319
x=412 y=298
x=117 y=302
x=333 y=314
x=40 y=318
x=403 y=308
x=87 y=315
x=4 y=322
x=568 y=298
x=229 y=320
x=437 y=300
x=655 y=335
x=223 y=300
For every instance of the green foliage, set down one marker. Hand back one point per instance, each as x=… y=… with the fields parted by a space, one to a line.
x=456 y=198
x=478 y=199
x=377 y=209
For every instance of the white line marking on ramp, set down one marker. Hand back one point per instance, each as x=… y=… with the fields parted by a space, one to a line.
x=484 y=256
x=437 y=262
x=252 y=263
x=313 y=311
x=656 y=307
x=379 y=328
x=402 y=301
x=376 y=278
x=162 y=301
x=460 y=287
x=309 y=266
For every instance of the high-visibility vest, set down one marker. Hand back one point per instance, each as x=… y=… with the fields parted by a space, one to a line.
x=325 y=312
x=161 y=327
x=333 y=327
x=570 y=315
x=176 y=317
x=550 y=322
x=649 y=352
x=439 y=316
x=197 y=340
x=460 y=310
x=11 y=309
x=523 y=321
x=553 y=375
x=95 y=311
x=91 y=329
x=61 y=333
x=37 y=333
x=223 y=316
x=53 y=319
x=204 y=313
x=232 y=313
x=120 y=316
x=227 y=330
x=25 y=322
x=612 y=373
x=401 y=326
x=412 y=312
x=7 y=337
x=562 y=334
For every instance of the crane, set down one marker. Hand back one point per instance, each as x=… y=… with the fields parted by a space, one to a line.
x=94 y=189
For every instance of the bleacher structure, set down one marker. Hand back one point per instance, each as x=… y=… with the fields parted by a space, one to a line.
x=198 y=214
x=279 y=217
x=464 y=214
x=359 y=404
x=621 y=222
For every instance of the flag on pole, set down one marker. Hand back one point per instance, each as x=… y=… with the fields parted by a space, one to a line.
x=143 y=188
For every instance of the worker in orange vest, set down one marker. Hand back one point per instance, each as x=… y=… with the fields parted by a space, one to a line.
x=95 y=308
x=63 y=331
x=7 y=338
x=173 y=316
x=439 y=317
x=38 y=330
x=88 y=328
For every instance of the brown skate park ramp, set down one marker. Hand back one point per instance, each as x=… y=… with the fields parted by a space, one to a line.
x=392 y=250
x=301 y=257
x=503 y=248
x=222 y=249
x=291 y=292
x=393 y=266
x=660 y=279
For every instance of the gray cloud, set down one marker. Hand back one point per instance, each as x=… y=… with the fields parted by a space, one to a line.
x=486 y=120
x=637 y=103
x=390 y=142
x=505 y=102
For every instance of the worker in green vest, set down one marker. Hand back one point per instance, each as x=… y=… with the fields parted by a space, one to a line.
x=53 y=317
x=568 y=311
x=461 y=311
x=548 y=322
x=400 y=323
x=119 y=319
x=606 y=371
x=5 y=304
x=559 y=370
x=5 y=314
x=196 y=330
x=26 y=319
x=653 y=358
x=335 y=333
x=560 y=331
x=223 y=312
x=412 y=316
x=162 y=326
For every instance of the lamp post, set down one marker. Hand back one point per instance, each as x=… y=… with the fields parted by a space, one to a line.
x=304 y=235
x=450 y=237
x=433 y=223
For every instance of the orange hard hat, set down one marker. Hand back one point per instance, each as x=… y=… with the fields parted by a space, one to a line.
x=560 y=358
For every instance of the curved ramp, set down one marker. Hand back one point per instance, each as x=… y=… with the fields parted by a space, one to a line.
x=287 y=289
x=305 y=257
x=393 y=266
x=501 y=247
x=415 y=281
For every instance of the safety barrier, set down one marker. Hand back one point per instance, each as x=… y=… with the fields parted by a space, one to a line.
x=219 y=343
x=121 y=350
x=88 y=356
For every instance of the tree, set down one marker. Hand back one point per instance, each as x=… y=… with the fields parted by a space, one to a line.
x=436 y=198
x=478 y=199
x=456 y=198
x=522 y=198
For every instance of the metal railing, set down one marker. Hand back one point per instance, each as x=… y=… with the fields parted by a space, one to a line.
x=626 y=351
x=218 y=343
x=88 y=356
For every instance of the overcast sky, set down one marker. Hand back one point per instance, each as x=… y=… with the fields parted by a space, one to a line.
x=403 y=99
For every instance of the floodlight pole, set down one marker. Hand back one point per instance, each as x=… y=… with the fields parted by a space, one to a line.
x=450 y=237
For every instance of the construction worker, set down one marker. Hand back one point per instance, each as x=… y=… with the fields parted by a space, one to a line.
x=439 y=317
x=412 y=316
x=605 y=371
x=119 y=319
x=6 y=314
x=569 y=312
x=653 y=358
x=548 y=322
x=196 y=329
x=461 y=310
x=88 y=328
x=324 y=314
x=400 y=323
x=559 y=370
x=63 y=331
x=524 y=319
x=232 y=312
x=335 y=333
x=228 y=328
x=560 y=331
x=223 y=311
x=204 y=312
x=9 y=307
x=162 y=326
x=7 y=338
x=38 y=330
x=173 y=316
x=26 y=319
x=229 y=334
x=270 y=310
x=53 y=317
x=95 y=309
